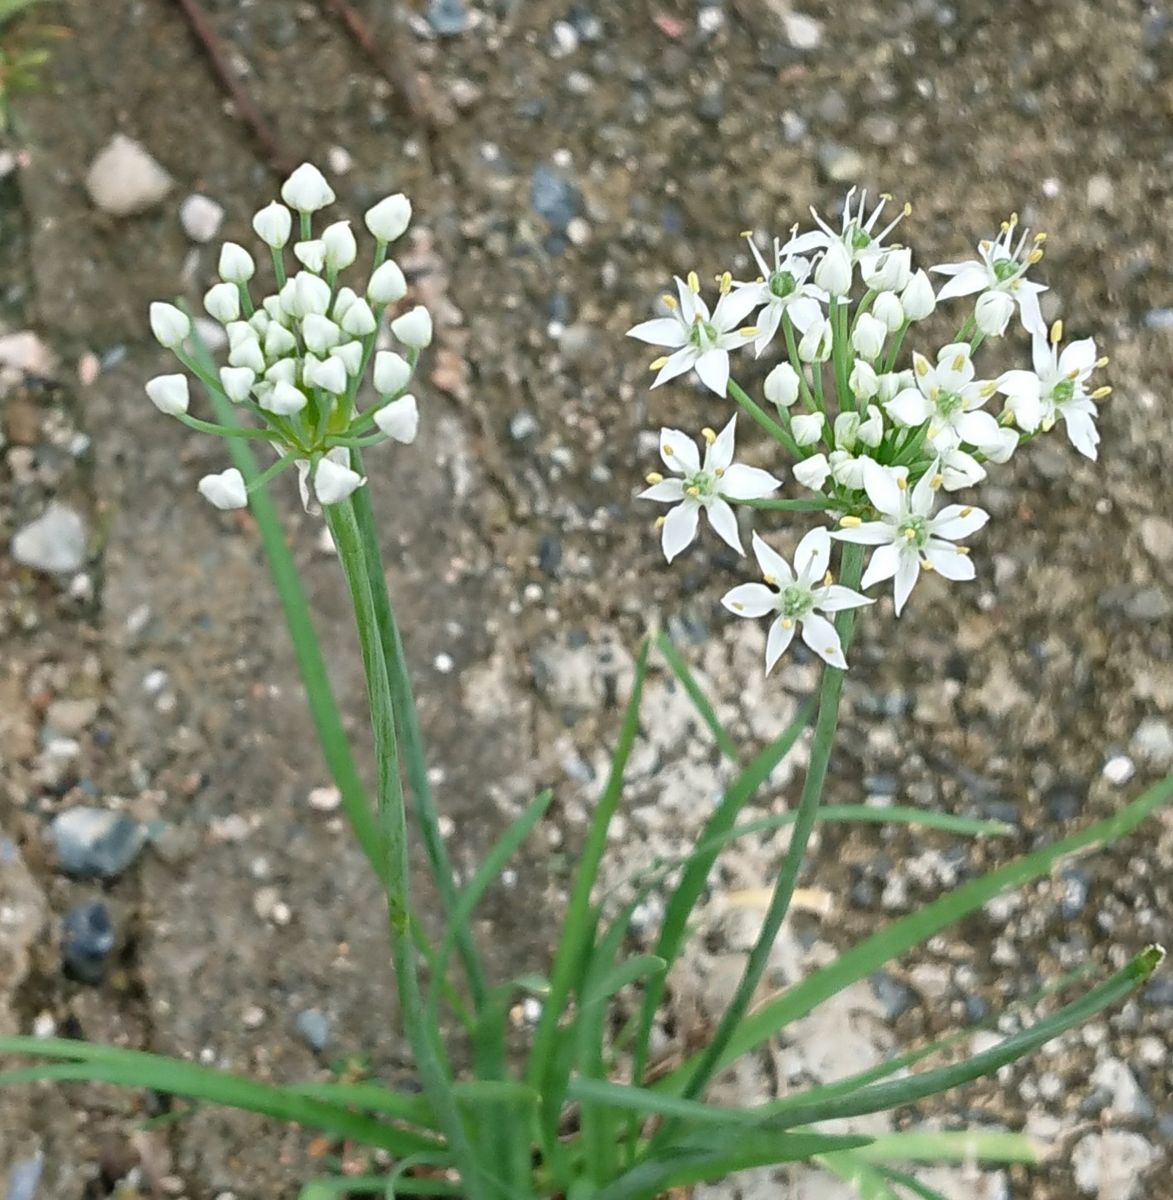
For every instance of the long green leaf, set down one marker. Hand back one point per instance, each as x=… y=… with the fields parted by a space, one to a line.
x=868 y=1181
x=950 y=1146
x=901 y=935
x=700 y=701
x=913 y=1185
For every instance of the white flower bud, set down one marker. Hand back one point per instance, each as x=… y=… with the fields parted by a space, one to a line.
x=169 y=324
x=274 y=306
x=311 y=255
x=833 y=272
x=782 y=385
x=845 y=430
x=993 y=312
x=400 y=420
x=330 y=375
x=333 y=482
x=888 y=271
x=392 y=373
x=886 y=307
x=278 y=341
x=387 y=284
x=284 y=399
x=918 y=298
x=1001 y=447
x=388 y=219
x=236 y=264
x=808 y=428
x=237 y=382
x=247 y=354
x=320 y=333
x=307 y=190
x=342 y=302
x=238 y=332
x=816 y=343
x=350 y=355
x=847 y=469
x=222 y=301
x=225 y=490
x=341 y=248
x=311 y=295
x=414 y=327
x=260 y=322
x=863 y=381
x=359 y=321
x=285 y=369
x=273 y=225
x=812 y=472
x=868 y=336
x=893 y=383
x=871 y=432
x=169 y=394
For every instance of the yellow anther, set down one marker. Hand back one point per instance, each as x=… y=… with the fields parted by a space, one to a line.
x=725 y=282
x=658 y=363
x=984 y=244
x=667 y=450
x=669 y=302
x=1040 y=237
x=1013 y=219
x=885 y=196
x=850 y=522
x=738 y=607
x=1056 y=333
x=925 y=565
x=746 y=233
x=966 y=511
x=936 y=481
x=922 y=365
x=1035 y=256
x=749 y=331
x=988 y=389
x=902 y=483
x=1005 y=226
x=659 y=522
x=710 y=435
x=907 y=209
x=1073 y=374
x=962 y=549
x=910 y=535
x=787 y=623
x=654 y=477
x=1102 y=362
x=959 y=362
x=693 y=491
x=769 y=579
x=760 y=279
x=694 y=283
x=828 y=579
x=1101 y=393
x=719 y=472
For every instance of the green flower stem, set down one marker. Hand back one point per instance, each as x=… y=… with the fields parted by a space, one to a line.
x=841 y=349
x=278 y=266
x=820 y=399
x=306 y=226
x=808 y=806
x=356 y=442
x=227 y=431
x=270 y=473
x=796 y=362
x=894 y=349
x=763 y=418
x=818 y=504
x=367 y=419
x=403 y=701
x=393 y=829
x=246 y=301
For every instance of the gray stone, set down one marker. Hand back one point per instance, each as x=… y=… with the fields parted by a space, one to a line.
x=839 y=164
x=314 y=1027
x=1153 y=742
x=55 y=542
x=802 y=32
x=71 y=717
x=24 y=1177
x=1156 y=536
x=124 y=179
x=553 y=197
x=447 y=17
x=1159 y=318
x=87 y=941
x=93 y=843
x=25 y=913
x=1109 y=1165
x=201 y=217
x=1149 y=604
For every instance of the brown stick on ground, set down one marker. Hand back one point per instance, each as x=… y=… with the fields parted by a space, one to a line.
x=246 y=107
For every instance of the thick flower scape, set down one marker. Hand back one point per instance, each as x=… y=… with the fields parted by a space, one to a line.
x=297 y=357
x=873 y=436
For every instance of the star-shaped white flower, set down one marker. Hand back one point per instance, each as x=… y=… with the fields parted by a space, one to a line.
x=797 y=597
x=947 y=396
x=857 y=233
x=703 y=485
x=699 y=339
x=907 y=537
x=783 y=290
x=1001 y=266
x=1057 y=388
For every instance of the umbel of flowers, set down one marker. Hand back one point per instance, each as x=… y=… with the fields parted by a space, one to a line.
x=297 y=357
x=876 y=426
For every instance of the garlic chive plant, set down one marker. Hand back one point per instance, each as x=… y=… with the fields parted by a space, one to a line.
x=588 y=1111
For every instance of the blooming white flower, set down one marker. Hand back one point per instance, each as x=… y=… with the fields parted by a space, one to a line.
x=169 y=324
x=949 y=397
x=918 y=298
x=236 y=264
x=856 y=234
x=341 y=248
x=237 y=382
x=1001 y=266
x=816 y=344
x=812 y=472
x=907 y=537
x=782 y=385
x=399 y=420
x=273 y=225
x=387 y=284
x=833 y=270
x=887 y=308
x=225 y=490
x=797 y=598
x=888 y=271
x=222 y=302
x=783 y=290
x=169 y=394
x=1057 y=389
x=414 y=327
x=307 y=190
x=699 y=339
x=311 y=254
x=392 y=373
x=867 y=338
x=808 y=428
x=388 y=219
x=334 y=481
x=704 y=485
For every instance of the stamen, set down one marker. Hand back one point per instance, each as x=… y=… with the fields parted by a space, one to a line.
x=738 y=607
x=694 y=283
x=746 y=233
x=654 y=477
x=710 y=435
x=922 y=365
x=769 y=579
x=693 y=491
x=720 y=472
x=1040 y=237
x=749 y=331
x=1034 y=256
x=828 y=579
x=1056 y=333
x=902 y=484
x=1102 y=362
x=910 y=535
x=669 y=302
x=667 y=450
x=1101 y=393
x=962 y=549
x=658 y=363
x=966 y=511
x=988 y=389
x=659 y=522
x=925 y=565
x=959 y=362
x=1072 y=375
x=850 y=522
x=725 y=282
x=936 y=481
x=787 y=623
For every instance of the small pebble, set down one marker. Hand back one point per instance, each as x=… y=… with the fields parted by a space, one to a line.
x=553 y=197
x=253 y=1017
x=87 y=940
x=54 y=543
x=339 y=160
x=314 y=1027
x=443 y=663
x=802 y=32
x=325 y=799
x=840 y=164
x=1153 y=742
x=447 y=17
x=93 y=843
x=201 y=217
x=124 y=179
x=1119 y=769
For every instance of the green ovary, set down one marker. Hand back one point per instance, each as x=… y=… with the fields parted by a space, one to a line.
x=782 y=284
x=915 y=531
x=795 y=601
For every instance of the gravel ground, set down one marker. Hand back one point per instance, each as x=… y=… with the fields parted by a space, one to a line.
x=577 y=155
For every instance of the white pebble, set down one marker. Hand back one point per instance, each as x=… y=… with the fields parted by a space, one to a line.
x=324 y=799
x=201 y=217
x=1119 y=769
x=124 y=179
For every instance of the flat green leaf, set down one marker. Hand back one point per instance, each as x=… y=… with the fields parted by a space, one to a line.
x=960 y=1146
x=700 y=701
x=869 y=1182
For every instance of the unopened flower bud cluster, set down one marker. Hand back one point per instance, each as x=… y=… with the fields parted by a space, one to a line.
x=876 y=425
x=296 y=358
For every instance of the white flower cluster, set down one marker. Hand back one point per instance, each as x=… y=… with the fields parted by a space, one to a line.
x=297 y=357
x=874 y=438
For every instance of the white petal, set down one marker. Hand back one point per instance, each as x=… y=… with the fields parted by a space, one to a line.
x=1081 y=431
x=948 y=561
x=870 y=533
x=333 y=482
x=1028 y=307
x=667 y=491
x=1079 y=356
x=812 y=472
x=922 y=500
x=971 y=278
x=679 y=529
x=733 y=308
x=720 y=454
x=977 y=428
x=907 y=573
x=803 y=312
x=679 y=452
x=772 y=564
x=713 y=369
x=778 y=641
x=750 y=600
x=909 y=407
x=677 y=364
x=882 y=488
x=724 y=522
x=820 y=635
x=812 y=556
x=747 y=483
x=884 y=564
x=836 y=598
x=661 y=331
x=958 y=521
